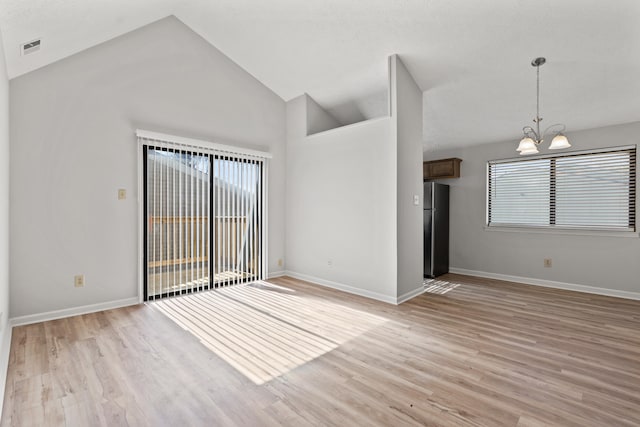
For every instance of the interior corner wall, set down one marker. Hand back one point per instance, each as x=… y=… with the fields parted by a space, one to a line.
x=318 y=120
x=73 y=146
x=341 y=215
x=407 y=117
x=5 y=328
x=605 y=262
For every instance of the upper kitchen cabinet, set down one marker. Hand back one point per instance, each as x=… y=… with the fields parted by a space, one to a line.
x=444 y=168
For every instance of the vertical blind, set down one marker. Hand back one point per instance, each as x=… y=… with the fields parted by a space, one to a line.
x=204 y=211
x=585 y=190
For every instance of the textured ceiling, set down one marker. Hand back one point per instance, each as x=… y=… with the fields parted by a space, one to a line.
x=470 y=58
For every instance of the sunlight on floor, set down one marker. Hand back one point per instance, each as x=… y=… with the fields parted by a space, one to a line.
x=441 y=287
x=191 y=278
x=265 y=330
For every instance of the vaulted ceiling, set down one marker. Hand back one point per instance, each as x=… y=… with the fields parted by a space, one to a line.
x=471 y=58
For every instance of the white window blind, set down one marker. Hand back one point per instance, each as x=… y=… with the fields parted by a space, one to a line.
x=583 y=190
x=204 y=215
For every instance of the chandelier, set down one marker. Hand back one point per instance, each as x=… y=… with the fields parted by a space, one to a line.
x=533 y=137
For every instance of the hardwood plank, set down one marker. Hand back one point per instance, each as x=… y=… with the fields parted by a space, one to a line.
x=478 y=352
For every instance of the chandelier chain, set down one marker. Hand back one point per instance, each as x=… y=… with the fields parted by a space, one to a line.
x=538 y=119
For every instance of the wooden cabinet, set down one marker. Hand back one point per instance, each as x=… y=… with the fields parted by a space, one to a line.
x=444 y=168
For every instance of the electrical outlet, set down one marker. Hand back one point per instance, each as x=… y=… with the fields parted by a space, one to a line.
x=280 y=262
x=122 y=194
x=78 y=281
x=547 y=262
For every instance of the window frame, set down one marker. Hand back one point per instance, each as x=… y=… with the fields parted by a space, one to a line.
x=563 y=229
x=160 y=140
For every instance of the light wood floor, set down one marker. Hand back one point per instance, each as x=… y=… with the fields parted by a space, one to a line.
x=475 y=352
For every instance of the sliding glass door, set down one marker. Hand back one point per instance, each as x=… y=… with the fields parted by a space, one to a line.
x=203 y=220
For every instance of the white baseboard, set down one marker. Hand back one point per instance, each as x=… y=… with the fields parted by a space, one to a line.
x=274 y=274
x=5 y=351
x=411 y=294
x=75 y=311
x=342 y=287
x=549 y=283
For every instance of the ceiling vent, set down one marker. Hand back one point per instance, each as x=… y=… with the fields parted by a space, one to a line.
x=30 y=47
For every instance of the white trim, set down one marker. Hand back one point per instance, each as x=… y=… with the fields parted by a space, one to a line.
x=274 y=274
x=391 y=87
x=264 y=220
x=5 y=351
x=411 y=294
x=549 y=283
x=566 y=231
x=564 y=154
x=352 y=125
x=141 y=222
x=209 y=145
x=74 y=311
x=341 y=287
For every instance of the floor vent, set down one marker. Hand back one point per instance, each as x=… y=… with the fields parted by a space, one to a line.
x=30 y=47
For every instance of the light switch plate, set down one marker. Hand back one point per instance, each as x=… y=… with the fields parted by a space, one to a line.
x=416 y=200
x=122 y=194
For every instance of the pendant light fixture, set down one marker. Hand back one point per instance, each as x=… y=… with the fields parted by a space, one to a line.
x=533 y=137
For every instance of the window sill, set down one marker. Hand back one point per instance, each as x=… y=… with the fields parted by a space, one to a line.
x=563 y=231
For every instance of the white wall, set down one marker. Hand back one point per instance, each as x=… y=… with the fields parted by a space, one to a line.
x=318 y=120
x=341 y=194
x=597 y=261
x=351 y=221
x=73 y=146
x=5 y=330
x=406 y=112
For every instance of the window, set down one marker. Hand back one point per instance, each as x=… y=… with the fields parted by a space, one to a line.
x=593 y=190
x=204 y=210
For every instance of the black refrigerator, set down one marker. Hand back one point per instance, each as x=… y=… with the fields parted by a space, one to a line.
x=436 y=229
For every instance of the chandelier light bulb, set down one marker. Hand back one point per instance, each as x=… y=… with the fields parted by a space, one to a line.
x=527 y=144
x=559 y=142
x=533 y=150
